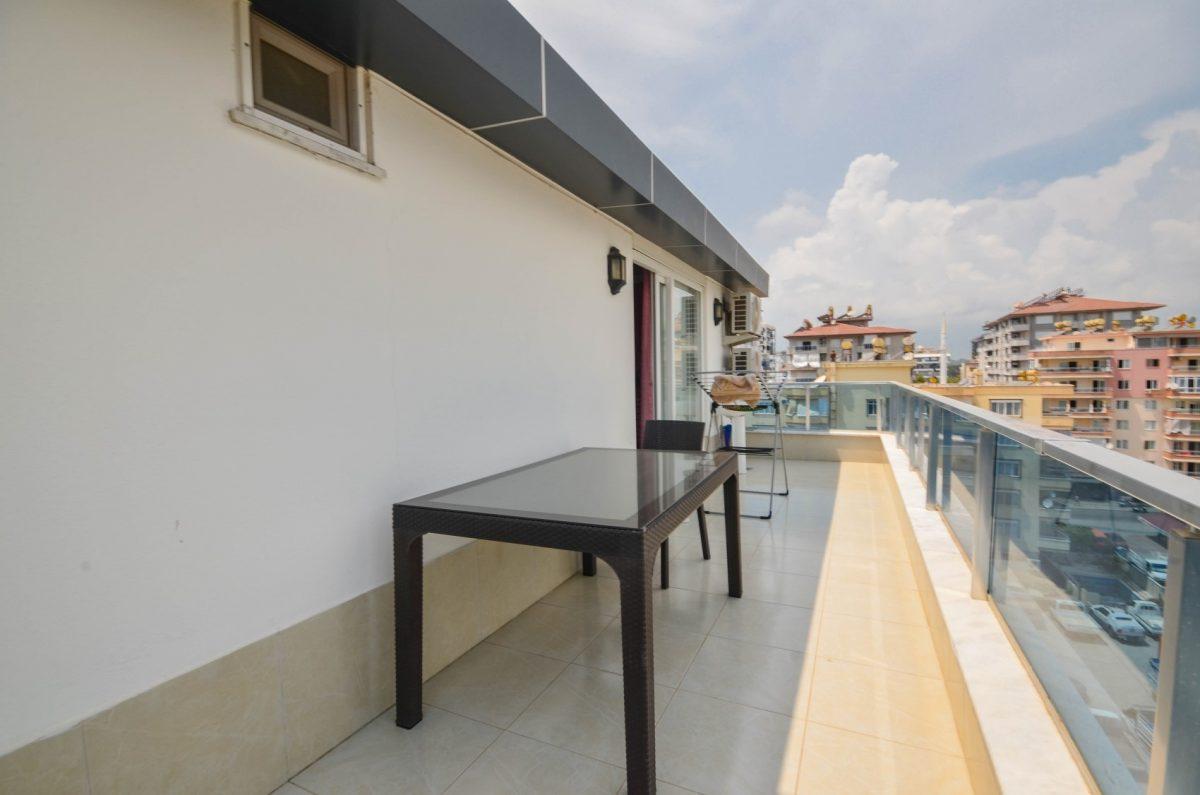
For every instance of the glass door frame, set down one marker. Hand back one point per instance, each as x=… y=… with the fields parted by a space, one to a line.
x=664 y=283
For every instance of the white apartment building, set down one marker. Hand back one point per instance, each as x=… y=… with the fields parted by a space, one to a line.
x=248 y=250
x=1004 y=348
x=847 y=337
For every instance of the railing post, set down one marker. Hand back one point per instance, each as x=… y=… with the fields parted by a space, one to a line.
x=981 y=535
x=947 y=457
x=1174 y=763
x=936 y=415
x=808 y=408
x=914 y=430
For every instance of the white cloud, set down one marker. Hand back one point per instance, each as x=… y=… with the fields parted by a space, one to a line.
x=1129 y=230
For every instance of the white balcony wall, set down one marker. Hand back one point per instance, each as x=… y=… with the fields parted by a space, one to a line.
x=225 y=358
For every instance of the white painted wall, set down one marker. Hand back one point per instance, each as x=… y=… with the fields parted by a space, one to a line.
x=224 y=358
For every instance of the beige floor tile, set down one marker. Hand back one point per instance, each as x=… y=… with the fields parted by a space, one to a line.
x=53 y=766
x=674 y=650
x=491 y=683
x=551 y=631
x=899 y=605
x=600 y=595
x=217 y=728
x=692 y=611
x=797 y=590
x=663 y=788
x=871 y=572
x=583 y=710
x=718 y=748
x=837 y=761
x=903 y=708
x=516 y=765
x=382 y=757
x=804 y=541
x=290 y=789
x=788 y=561
x=755 y=676
x=898 y=647
x=781 y=626
x=875 y=546
x=697 y=574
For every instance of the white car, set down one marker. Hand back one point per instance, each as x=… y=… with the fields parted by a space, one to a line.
x=1072 y=617
x=1116 y=622
x=1149 y=615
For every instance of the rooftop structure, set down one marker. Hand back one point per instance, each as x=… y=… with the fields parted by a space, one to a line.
x=848 y=337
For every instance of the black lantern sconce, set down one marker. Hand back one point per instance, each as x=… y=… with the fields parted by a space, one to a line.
x=616 y=270
x=719 y=310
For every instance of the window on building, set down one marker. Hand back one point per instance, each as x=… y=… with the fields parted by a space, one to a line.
x=1074 y=346
x=1009 y=408
x=1149 y=444
x=1008 y=468
x=1150 y=405
x=1007 y=497
x=1152 y=363
x=1122 y=425
x=1152 y=425
x=1010 y=526
x=1151 y=383
x=1122 y=444
x=1120 y=404
x=299 y=83
x=872 y=407
x=1122 y=384
x=1123 y=364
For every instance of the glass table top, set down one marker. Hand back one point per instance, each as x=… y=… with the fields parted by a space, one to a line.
x=600 y=486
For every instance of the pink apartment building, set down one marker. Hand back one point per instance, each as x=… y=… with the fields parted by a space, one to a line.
x=1135 y=391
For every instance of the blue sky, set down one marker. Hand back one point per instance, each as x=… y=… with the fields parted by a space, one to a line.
x=920 y=156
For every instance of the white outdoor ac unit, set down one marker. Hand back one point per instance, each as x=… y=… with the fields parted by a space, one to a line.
x=745 y=314
x=747 y=360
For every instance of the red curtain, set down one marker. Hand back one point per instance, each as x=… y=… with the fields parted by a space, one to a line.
x=643 y=347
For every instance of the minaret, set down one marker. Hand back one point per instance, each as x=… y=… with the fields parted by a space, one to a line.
x=944 y=359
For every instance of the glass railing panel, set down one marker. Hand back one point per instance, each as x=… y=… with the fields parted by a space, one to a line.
x=857 y=407
x=1078 y=574
x=956 y=494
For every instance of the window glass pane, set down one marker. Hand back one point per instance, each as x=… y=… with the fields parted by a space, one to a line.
x=685 y=331
x=1078 y=576
x=297 y=86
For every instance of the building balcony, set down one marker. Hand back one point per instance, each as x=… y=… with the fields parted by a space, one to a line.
x=1100 y=392
x=1192 y=435
x=1184 y=370
x=866 y=654
x=1091 y=432
x=1181 y=455
x=1182 y=414
x=1087 y=372
x=1054 y=353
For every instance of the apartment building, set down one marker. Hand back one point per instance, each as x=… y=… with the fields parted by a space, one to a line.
x=771 y=359
x=844 y=338
x=1004 y=349
x=1135 y=391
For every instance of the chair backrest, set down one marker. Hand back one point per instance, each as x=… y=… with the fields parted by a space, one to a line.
x=673 y=435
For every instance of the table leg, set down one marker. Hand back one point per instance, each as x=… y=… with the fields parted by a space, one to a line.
x=589 y=564
x=733 y=535
x=410 y=574
x=637 y=651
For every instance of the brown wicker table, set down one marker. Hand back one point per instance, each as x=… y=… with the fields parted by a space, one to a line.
x=619 y=505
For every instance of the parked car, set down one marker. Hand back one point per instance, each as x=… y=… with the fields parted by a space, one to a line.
x=1072 y=617
x=1154 y=661
x=1155 y=566
x=1149 y=615
x=1119 y=624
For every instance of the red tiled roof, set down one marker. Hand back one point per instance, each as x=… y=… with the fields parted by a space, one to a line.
x=845 y=330
x=1078 y=303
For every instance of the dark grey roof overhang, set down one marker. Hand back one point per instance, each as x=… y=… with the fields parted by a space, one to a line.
x=483 y=65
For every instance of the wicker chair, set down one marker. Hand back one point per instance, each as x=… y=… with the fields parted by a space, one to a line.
x=676 y=435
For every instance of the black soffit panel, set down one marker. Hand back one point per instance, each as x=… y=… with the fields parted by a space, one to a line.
x=481 y=63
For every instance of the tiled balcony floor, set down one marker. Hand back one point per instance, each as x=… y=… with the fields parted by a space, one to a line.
x=822 y=679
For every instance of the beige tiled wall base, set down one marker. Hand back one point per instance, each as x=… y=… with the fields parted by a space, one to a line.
x=1010 y=740
x=252 y=719
x=850 y=446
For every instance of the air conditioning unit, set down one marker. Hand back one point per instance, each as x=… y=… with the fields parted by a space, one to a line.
x=747 y=360
x=745 y=314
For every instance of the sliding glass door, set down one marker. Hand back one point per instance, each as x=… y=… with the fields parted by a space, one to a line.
x=685 y=350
